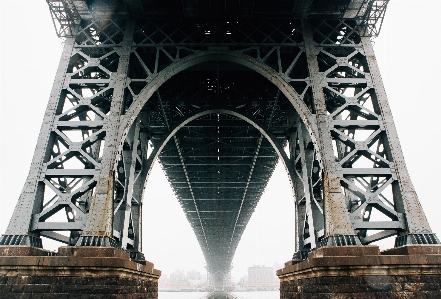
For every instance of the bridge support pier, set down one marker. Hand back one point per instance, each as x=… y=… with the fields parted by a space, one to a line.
x=80 y=272
x=412 y=271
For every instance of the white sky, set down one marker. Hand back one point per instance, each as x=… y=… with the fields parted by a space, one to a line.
x=408 y=51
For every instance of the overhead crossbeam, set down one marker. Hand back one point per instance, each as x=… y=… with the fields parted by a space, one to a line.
x=369 y=14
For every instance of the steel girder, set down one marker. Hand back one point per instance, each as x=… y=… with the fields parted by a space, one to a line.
x=369 y=14
x=217 y=103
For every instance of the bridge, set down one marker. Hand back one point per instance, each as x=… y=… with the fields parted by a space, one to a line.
x=216 y=91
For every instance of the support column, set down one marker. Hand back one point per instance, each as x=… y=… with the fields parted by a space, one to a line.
x=299 y=195
x=131 y=173
x=99 y=227
x=125 y=177
x=138 y=194
x=406 y=200
x=129 y=157
x=338 y=227
x=307 y=181
x=365 y=176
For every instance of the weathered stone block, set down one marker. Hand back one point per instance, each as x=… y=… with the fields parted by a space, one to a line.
x=363 y=272
x=76 y=272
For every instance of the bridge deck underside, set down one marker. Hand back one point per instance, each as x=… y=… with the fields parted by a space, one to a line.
x=218 y=165
x=221 y=9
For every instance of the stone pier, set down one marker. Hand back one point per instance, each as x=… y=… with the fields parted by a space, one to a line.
x=364 y=272
x=74 y=272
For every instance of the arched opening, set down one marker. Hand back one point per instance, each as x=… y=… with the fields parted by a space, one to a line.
x=275 y=212
x=138 y=101
x=170 y=243
x=233 y=112
x=172 y=108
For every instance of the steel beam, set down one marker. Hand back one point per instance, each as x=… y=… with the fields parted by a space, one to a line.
x=337 y=221
x=99 y=222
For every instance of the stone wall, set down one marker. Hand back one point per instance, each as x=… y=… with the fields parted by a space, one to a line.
x=75 y=272
x=369 y=287
x=363 y=272
x=48 y=287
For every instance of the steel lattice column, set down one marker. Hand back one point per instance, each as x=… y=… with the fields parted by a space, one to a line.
x=306 y=172
x=359 y=147
x=131 y=173
x=417 y=229
x=337 y=223
x=78 y=146
x=99 y=228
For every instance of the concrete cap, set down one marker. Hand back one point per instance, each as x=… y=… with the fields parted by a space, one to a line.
x=92 y=251
x=329 y=251
x=413 y=249
x=24 y=251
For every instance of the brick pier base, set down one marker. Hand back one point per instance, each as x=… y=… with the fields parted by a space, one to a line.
x=74 y=272
x=411 y=272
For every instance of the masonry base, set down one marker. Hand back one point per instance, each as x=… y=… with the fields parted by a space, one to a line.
x=363 y=272
x=74 y=272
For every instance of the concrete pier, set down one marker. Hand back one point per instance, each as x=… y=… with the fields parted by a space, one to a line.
x=364 y=272
x=74 y=272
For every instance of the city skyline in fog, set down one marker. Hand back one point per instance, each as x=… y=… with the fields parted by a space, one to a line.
x=30 y=53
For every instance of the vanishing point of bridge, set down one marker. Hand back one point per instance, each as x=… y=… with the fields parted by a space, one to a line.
x=216 y=90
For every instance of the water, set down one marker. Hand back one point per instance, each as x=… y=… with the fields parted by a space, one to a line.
x=232 y=295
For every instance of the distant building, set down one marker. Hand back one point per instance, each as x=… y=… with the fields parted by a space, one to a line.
x=178 y=275
x=261 y=277
x=178 y=281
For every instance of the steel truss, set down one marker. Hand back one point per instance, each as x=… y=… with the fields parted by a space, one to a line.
x=217 y=102
x=369 y=14
x=65 y=17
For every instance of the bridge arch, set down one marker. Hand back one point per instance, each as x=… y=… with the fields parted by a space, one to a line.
x=218 y=55
x=188 y=118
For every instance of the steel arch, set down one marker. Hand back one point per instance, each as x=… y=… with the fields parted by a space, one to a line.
x=142 y=98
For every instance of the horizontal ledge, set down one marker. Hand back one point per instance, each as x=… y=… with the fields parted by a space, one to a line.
x=366 y=171
x=360 y=124
x=345 y=80
x=79 y=124
x=89 y=81
x=60 y=226
x=74 y=173
x=377 y=225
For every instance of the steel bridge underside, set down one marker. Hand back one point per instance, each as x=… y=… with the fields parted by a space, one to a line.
x=225 y=115
x=218 y=164
x=67 y=14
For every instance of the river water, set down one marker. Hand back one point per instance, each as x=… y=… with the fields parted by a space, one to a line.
x=232 y=295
